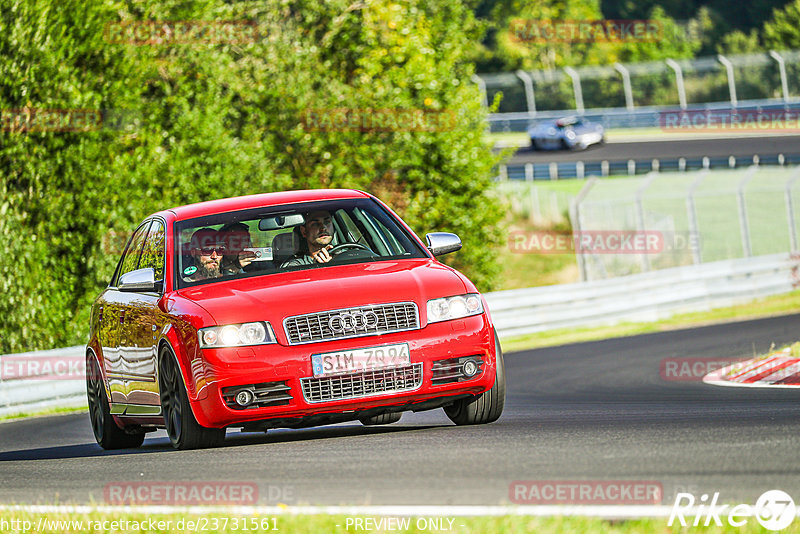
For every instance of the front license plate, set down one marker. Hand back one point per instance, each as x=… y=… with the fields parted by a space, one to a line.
x=357 y=360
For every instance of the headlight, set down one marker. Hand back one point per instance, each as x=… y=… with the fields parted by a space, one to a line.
x=454 y=307
x=236 y=335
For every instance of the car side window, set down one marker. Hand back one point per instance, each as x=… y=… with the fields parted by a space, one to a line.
x=130 y=260
x=153 y=251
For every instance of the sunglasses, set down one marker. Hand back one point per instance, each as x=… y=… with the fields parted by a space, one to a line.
x=209 y=251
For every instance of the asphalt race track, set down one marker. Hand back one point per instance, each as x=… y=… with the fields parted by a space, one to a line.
x=687 y=148
x=587 y=411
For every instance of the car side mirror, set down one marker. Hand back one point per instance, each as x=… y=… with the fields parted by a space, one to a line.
x=440 y=243
x=138 y=280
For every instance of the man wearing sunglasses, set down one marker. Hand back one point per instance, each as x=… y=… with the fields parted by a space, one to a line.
x=206 y=249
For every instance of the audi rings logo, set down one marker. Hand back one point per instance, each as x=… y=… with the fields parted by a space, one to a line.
x=353 y=321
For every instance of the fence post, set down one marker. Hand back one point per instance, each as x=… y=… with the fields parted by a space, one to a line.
x=790 y=210
x=575 y=215
x=731 y=82
x=746 y=245
x=691 y=213
x=626 y=85
x=530 y=98
x=553 y=170
x=640 y=223
x=678 y=81
x=503 y=173
x=482 y=87
x=576 y=88
x=782 y=68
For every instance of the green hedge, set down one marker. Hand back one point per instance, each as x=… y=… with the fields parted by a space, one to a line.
x=187 y=122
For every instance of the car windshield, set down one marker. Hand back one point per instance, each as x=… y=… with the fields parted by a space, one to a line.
x=279 y=239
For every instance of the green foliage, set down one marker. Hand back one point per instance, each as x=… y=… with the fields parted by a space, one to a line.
x=782 y=32
x=504 y=50
x=203 y=121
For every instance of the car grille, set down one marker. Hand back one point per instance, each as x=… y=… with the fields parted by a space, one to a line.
x=365 y=384
x=315 y=327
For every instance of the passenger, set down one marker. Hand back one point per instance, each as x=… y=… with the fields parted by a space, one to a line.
x=236 y=238
x=206 y=252
x=317 y=233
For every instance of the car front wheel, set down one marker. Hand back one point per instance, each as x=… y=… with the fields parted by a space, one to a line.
x=106 y=432
x=486 y=407
x=182 y=428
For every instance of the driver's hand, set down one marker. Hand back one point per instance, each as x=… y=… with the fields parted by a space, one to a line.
x=322 y=255
x=246 y=257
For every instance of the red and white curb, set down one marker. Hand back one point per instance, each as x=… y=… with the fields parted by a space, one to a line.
x=777 y=370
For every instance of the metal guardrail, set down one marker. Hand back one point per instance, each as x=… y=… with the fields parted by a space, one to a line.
x=647 y=296
x=35 y=381
x=642 y=297
x=643 y=117
x=631 y=167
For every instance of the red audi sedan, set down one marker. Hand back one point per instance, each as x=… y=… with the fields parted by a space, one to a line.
x=290 y=309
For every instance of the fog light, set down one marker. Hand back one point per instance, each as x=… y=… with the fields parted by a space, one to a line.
x=245 y=397
x=469 y=368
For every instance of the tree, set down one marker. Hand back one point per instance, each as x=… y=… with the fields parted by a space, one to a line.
x=782 y=32
x=207 y=120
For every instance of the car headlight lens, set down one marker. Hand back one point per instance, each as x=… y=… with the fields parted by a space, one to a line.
x=454 y=307
x=236 y=335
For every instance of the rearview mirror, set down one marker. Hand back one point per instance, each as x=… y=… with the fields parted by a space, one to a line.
x=440 y=243
x=276 y=222
x=138 y=280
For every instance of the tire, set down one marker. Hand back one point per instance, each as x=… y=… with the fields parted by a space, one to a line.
x=383 y=419
x=486 y=407
x=182 y=428
x=106 y=432
x=533 y=145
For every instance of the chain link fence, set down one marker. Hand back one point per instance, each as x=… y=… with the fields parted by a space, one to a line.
x=684 y=219
x=633 y=90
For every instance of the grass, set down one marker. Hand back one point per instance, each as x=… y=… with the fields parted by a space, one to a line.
x=45 y=412
x=96 y=521
x=767 y=307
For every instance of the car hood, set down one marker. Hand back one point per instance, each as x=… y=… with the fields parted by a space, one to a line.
x=277 y=296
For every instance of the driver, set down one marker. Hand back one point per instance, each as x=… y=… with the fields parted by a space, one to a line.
x=206 y=251
x=318 y=234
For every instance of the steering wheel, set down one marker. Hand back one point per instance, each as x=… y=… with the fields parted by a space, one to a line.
x=343 y=246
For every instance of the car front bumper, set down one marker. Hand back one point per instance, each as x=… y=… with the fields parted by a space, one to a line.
x=271 y=366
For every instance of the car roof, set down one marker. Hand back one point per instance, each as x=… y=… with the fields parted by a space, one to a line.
x=211 y=207
x=566 y=121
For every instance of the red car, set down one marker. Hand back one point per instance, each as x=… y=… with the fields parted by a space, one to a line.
x=291 y=309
